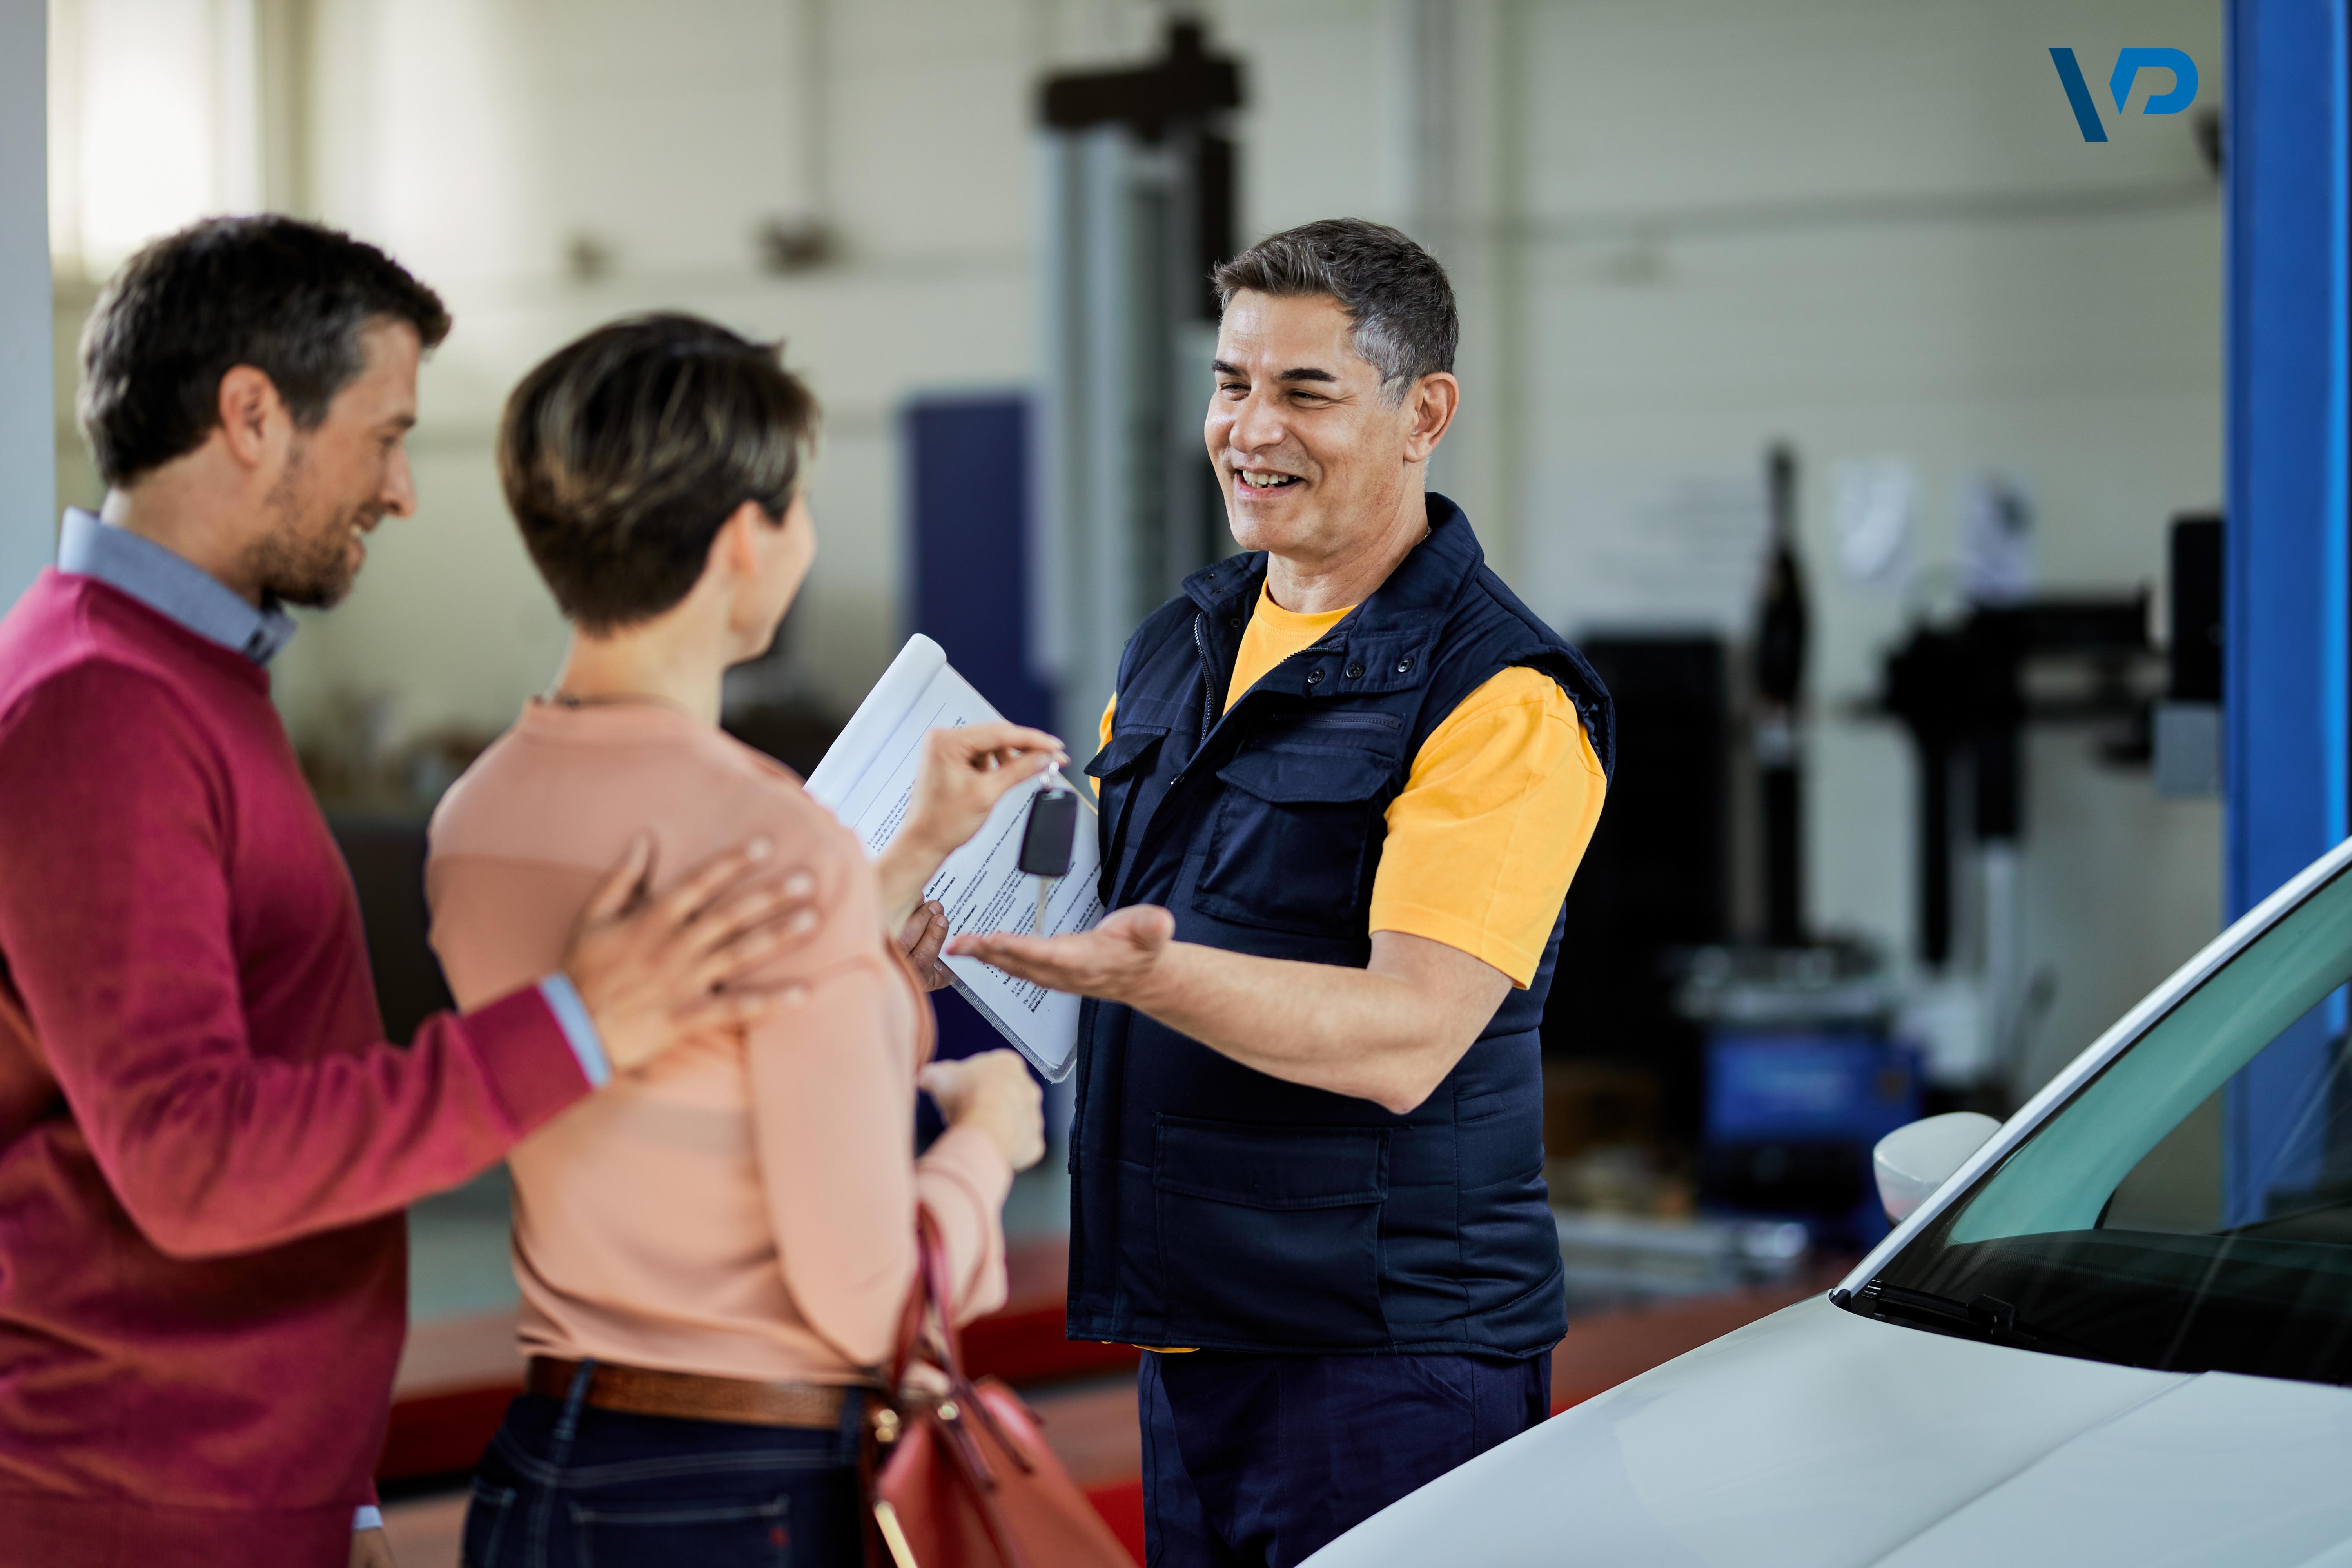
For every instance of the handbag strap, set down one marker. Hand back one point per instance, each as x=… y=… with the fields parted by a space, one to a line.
x=933 y=1254
x=925 y=1298
x=930 y=1302
x=929 y=1299
x=911 y=1319
x=932 y=1262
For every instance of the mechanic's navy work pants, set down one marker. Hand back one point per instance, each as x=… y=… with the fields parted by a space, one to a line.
x=1256 y=1461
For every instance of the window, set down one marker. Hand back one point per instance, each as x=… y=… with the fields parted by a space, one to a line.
x=155 y=120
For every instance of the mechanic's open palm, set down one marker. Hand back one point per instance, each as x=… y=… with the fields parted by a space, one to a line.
x=1115 y=961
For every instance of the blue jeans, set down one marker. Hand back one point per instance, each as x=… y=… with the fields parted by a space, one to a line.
x=564 y=1485
x=1256 y=1461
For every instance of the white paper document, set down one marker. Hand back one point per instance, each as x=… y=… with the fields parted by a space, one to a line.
x=868 y=777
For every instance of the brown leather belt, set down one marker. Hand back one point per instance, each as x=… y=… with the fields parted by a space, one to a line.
x=641 y=1391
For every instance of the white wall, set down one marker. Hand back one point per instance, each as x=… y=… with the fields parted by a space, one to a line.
x=1681 y=228
x=27 y=438
x=1875 y=228
x=481 y=139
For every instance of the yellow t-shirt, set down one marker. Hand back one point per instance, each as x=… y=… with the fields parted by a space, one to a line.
x=1494 y=817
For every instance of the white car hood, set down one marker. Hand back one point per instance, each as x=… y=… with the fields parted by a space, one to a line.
x=1817 y=1438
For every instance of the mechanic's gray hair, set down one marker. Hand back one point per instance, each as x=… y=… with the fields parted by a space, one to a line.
x=1393 y=291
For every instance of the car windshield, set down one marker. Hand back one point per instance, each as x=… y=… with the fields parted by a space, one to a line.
x=2189 y=1207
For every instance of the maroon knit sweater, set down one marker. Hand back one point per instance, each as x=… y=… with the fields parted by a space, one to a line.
x=205 y=1146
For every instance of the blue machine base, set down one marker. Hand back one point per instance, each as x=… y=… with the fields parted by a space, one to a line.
x=1790 y=1121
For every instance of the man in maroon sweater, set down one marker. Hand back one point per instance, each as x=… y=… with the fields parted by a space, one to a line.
x=205 y=1146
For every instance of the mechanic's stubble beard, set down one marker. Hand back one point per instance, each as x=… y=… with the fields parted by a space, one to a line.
x=306 y=557
x=1354 y=498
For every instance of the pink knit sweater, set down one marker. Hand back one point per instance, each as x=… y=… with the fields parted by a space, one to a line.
x=744 y=1206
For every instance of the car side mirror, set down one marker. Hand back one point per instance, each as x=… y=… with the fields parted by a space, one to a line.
x=1913 y=1161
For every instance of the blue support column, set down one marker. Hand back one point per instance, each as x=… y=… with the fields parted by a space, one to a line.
x=968 y=575
x=968 y=567
x=2285 y=615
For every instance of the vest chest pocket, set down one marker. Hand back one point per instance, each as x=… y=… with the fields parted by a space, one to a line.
x=1117 y=770
x=1288 y=847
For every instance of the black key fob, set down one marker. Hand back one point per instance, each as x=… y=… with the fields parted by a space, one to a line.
x=1053 y=827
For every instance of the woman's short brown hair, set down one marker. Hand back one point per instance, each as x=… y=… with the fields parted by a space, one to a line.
x=623 y=452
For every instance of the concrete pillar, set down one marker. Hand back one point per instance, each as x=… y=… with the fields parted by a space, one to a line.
x=28 y=436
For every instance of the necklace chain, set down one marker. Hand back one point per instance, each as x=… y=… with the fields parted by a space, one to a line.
x=563 y=698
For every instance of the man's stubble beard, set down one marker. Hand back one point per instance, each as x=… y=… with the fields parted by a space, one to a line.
x=299 y=561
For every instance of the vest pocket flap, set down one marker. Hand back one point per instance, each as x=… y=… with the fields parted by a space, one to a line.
x=1288 y=776
x=1125 y=749
x=1268 y=1167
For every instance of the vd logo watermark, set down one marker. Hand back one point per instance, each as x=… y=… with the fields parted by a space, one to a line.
x=2129 y=63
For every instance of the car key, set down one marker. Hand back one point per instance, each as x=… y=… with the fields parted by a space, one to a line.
x=1046 y=844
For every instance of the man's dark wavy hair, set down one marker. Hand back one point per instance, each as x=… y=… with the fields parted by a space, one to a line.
x=624 y=452
x=291 y=299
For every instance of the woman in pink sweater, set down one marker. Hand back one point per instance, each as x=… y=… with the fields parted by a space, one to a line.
x=714 y=1253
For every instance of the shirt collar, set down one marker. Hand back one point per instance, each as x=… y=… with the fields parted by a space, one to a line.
x=1424 y=583
x=170 y=585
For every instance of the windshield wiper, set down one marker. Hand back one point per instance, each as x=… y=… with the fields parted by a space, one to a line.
x=1984 y=1317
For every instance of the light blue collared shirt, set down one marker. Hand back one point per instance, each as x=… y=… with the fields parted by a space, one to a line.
x=179 y=590
x=172 y=586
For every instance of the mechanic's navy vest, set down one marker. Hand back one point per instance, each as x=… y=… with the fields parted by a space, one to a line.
x=1215 y=1206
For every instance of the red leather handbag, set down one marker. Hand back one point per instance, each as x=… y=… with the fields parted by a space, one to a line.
x=963 y=1479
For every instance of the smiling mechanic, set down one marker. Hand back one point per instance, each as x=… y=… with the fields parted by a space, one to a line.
x=1345 y=781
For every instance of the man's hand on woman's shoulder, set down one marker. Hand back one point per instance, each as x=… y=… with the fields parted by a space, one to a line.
x=656 y=971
